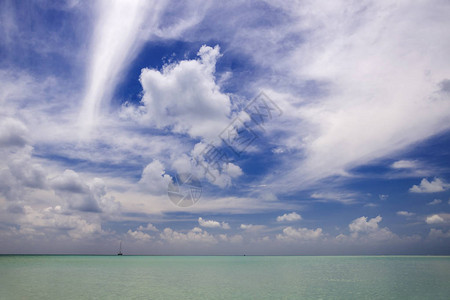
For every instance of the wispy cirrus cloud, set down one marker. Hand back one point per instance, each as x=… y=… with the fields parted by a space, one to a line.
x=341 y=197
x=372 y=96
x=116 y=39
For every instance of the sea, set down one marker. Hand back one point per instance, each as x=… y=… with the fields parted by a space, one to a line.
x=224 y=277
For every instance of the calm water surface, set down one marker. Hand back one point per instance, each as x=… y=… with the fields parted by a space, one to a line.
x=224 y=277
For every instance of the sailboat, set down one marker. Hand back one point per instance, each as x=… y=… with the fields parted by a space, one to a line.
x=120 y=249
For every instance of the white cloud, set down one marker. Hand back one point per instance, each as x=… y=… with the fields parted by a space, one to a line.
x=20 y=172
x=138 y=202
x=83 y=195
x=362 y=225
x=278 y=150
x=405 y=213
x=76 y=192
x=237 y=238
x=425 y=186
x=196 y=235
x=139 y=235
x=252 y=228
x=28 y=173
x=434 y=219
x=148 y=227
x=438 y=234
x=293 y=216
x=383 y=197
x=342 y=197
x=293 y=234
x=71 y=182
x=361 y=228
x=225 y=225
x=13 y=133
x=217 y=172
x=184 y=97
x=410 y=168
x=404 y=164
x=212 y=224
x=153 y=179
x=52 y=220
x=435 y=202
x=234 y=170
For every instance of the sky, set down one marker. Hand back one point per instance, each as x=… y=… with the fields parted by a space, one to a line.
x=225 y=127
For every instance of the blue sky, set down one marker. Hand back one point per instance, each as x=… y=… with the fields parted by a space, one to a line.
x=105 y=103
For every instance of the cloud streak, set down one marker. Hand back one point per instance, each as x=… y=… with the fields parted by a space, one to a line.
x=116 y=39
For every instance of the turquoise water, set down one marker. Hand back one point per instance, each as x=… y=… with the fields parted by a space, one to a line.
x=224 y=277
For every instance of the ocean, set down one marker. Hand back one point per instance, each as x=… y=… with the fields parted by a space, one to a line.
x=224 y=277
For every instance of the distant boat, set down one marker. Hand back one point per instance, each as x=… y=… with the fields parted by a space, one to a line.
x=120 y=249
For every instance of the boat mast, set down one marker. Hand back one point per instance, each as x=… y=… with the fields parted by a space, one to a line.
x=120 y=249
